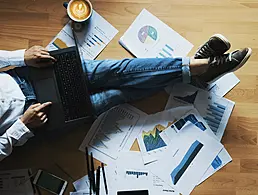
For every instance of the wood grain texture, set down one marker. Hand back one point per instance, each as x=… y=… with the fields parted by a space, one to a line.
x=24 y=23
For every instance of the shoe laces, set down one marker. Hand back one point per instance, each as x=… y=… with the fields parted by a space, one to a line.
x=220 y=60
x=205 y=51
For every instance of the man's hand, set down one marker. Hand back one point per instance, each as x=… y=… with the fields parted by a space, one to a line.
x=38 y=57
x=35 y=115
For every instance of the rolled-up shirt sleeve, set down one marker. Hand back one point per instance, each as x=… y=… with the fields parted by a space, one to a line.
x=12 y=58
x=16 y=135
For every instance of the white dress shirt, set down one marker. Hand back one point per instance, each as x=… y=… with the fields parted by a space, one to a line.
x=12 y=131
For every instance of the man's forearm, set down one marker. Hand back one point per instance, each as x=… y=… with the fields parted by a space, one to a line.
x=17 y=134
x=11 y=58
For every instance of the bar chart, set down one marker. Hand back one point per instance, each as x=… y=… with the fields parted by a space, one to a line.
x=166 y=52
x=215 y=112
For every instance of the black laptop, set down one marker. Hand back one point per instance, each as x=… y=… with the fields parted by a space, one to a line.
x=65 y=85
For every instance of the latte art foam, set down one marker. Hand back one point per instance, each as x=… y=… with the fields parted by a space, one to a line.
x=79 y=9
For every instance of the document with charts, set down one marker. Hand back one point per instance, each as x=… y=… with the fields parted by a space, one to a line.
x=97 y=34
x=133 y=175
x=113 y=131
x=214 y=109
x=16 y=182
x=150 y=142
x=187 y=159
x=149 y=37
x=194 y=117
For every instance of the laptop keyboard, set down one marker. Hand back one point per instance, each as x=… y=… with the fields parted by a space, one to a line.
x=71 y=85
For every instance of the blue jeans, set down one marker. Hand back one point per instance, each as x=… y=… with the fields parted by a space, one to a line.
x=113 y=82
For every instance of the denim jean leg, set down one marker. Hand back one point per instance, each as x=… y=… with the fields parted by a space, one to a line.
x=137 y=73
x=20 y=75
x=106 y=99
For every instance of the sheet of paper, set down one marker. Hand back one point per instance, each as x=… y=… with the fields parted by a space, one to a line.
x=194 y=117
x=149 y=37
x=188 y=157
x=214 y=109
x=150 y=142
x=114 y=131
x=220 y=161
x=15 y=182
x=133 y=175
x=220 y=87
x=80 y=193
x=97 y=34
x=82 y=185
x=223 y=85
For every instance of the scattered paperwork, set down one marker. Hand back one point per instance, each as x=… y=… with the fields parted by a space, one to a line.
x=214 y=109
x=180 y=146
x=150 y=142
x=179 y=140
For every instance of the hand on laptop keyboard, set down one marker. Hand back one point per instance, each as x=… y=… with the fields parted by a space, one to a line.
x=38 y=57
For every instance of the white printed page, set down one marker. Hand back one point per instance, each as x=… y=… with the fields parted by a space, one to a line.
x=149 y=37
x=113 y=131
x=132 y=174
x=187 y=159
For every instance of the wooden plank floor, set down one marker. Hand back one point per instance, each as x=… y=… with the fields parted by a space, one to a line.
x=24 y=23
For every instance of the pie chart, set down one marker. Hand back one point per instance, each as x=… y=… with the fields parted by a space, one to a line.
x=148 y=35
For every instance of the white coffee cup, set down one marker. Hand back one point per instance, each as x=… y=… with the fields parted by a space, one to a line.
x=82 y=10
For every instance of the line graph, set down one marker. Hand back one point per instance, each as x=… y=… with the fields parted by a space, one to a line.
x=152 y=140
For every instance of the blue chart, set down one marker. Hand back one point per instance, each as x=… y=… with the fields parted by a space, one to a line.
x=188 y=99
x=166 y=52
x=216 y=163
x=181 y=122
x=152 y=140
x=178 y=172
x=215 y=112
x=94 y=40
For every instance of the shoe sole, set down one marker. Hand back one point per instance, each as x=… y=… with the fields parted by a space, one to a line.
x=221 y=38
x=247 y=56
x=242 y=63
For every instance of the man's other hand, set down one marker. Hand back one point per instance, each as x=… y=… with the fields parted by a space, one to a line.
x=35 y=115
x=38 y=57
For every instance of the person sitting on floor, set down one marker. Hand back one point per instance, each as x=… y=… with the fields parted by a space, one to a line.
x=111 y=82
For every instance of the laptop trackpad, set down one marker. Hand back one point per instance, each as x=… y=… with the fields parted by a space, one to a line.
x=46 y=90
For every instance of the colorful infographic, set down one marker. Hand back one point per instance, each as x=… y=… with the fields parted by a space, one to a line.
x=152 y=139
